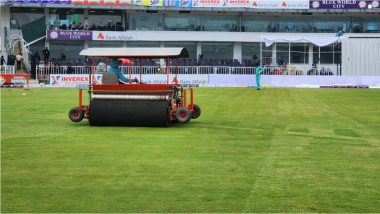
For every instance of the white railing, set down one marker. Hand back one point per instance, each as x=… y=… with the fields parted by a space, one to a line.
x=7 y=69
x=43 y=72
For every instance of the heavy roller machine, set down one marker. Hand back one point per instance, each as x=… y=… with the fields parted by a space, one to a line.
x=114 y=104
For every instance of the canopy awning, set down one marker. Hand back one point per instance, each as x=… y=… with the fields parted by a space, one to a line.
x=136 y=52
x=318 y=41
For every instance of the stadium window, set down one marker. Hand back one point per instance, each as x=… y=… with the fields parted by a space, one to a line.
x=294 y=24
x=66 y=17
x=266 y=54
x=103 y=20
x=145 y=21
x=326 y=53
x=190 y=46
x=299 y=53
x=219 y=23
x=217 y=50
x=143 y=44
x=369 y=24
x=23 y=16
x=104 y=44
x=70 y=49
x=338 y=54
x=329 y=24
x=282 y=53
x=258 y=24
x=250 y=49
x=181 y=22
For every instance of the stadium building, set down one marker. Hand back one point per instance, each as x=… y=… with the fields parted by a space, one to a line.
x=340 y=36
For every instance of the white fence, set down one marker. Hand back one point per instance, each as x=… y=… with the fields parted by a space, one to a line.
x=43 y=72
x=7 y=69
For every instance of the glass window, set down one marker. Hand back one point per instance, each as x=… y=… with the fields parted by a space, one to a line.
x=250 y=49
x=217 y=50
x=70 y=49
x=104 y=44
x=337 y=54
x=66 y=16
x=219 y=23
x=329 y=24
x=294 y=24
x=258 y=24
x=266 y=54
x=326 y=53
x=181 y=22
x=143 y=44
x=299 y=53
x=104 y=19
x=145 y=21
x=282 y=53
x=370 y=24
x=190 y=46
x=24 y=16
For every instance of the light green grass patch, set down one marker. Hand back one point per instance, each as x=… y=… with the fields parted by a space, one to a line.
x=277 y=150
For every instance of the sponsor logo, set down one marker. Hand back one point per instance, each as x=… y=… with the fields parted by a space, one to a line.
x=53 y=35
x=55 y=80
x=362 y=4
x=315 y=4
x=154 y=2
x=375 y=4
x=183 y=2
x=100 y=36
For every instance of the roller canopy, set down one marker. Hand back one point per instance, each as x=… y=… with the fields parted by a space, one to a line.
x=136 y=52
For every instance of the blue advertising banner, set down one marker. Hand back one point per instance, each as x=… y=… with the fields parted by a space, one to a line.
x=177 y=3
x=69 y=35
x=343 y=4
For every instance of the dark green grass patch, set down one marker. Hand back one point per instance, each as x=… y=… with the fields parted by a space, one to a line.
x=277 y=150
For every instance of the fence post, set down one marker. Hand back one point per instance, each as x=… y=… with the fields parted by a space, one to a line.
x=37 y=67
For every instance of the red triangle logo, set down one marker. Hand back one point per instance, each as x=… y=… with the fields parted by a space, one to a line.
x=175 y=80
x=284 y=4
x=254 y=4
x=100 y=36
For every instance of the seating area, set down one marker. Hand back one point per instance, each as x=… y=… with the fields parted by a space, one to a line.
x=150 y=62
x=109 y=27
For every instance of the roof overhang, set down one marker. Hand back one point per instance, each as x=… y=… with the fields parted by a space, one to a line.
x=136 y=52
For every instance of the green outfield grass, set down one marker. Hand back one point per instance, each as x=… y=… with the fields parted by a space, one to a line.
x=278 y=150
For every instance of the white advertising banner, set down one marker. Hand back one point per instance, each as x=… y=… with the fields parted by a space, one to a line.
x=81 y=80
x=183 y=79
x=73 y=80
x=279 y=4
x=237 y=3
x=208 y=3
x=112 y=36
x=207 y=36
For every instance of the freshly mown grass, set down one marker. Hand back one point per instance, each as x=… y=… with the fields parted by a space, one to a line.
x=278 y=150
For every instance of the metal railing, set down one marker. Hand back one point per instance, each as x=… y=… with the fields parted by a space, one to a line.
x=7 y=69
x=43 y=72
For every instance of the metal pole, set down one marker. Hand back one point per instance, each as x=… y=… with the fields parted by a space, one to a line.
x=289 y=54
x=319 y=59
x=140 y=69
x=261 y=53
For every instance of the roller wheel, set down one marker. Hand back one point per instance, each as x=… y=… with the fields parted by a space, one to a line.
x=183 y=115
x=76 y=114
x=197 y=111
